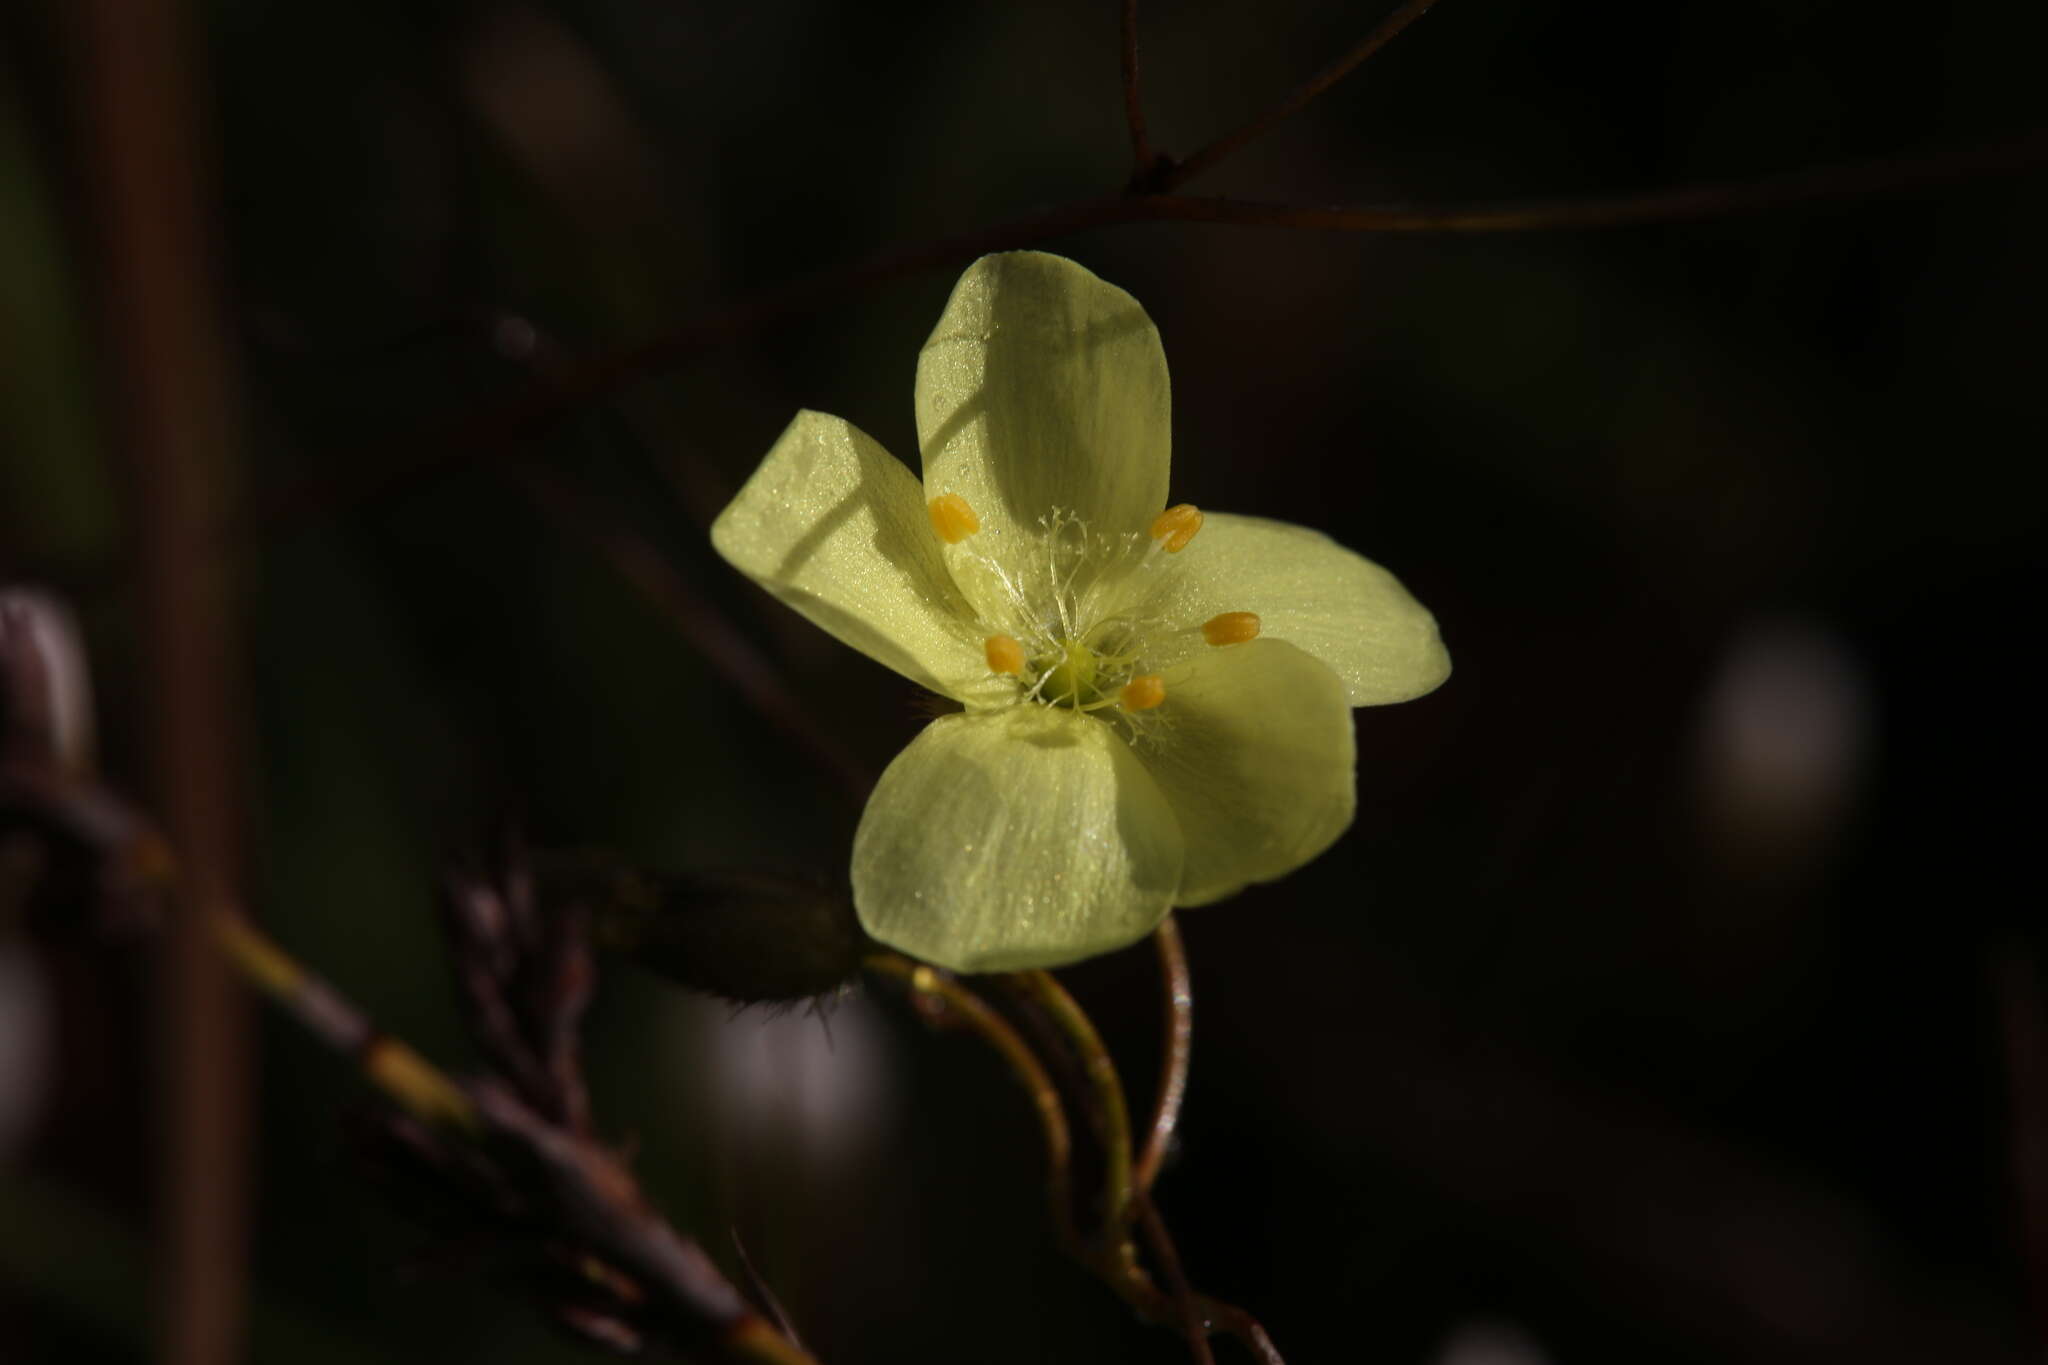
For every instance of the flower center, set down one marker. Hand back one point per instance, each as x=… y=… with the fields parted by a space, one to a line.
x=1072 y=606
x=1089 y=672
x=1070 y=674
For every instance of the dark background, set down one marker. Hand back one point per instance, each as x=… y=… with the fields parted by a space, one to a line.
x=1659 y=1004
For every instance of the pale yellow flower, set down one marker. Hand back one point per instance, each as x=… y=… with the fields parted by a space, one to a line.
x=1157 y=702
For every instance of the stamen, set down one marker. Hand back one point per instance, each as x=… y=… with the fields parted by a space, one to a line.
x=1004 y=654
x=1143 y=692
x=953 y=519
x=1231 y=628
x=1176 y=526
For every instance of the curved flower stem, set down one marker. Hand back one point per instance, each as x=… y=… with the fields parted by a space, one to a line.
x=1110 y=1112
x=1110 y=1252
x=942 y=1001
x=1227 y=145
x=1192 y=1323
x=1196 y=1315
x=1179 y=1027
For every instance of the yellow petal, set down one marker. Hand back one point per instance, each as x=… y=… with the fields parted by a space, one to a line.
x=1257 y=763
x=1311 y=592
x=835 y=526
x=1044 y=387
x=1027 y=837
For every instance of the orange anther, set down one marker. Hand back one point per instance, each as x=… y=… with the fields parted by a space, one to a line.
x=953 y=519
x=1231 y=628
x=1143 y=692
x=1004 y=654
x=1176 y=526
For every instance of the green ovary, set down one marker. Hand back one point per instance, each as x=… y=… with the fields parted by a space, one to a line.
x=1085 y=673
x=1072 y=681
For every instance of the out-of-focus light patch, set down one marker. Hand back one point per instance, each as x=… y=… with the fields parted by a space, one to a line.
x=25 y=1047
x=1785 y=733
x=1491 y=1343
x=817 y=1087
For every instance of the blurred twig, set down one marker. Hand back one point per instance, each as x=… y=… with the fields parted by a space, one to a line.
x=1144 y=161
x=45 y=693
x=580 y=515
x=407 y=1078
x=516 y=1150
x=387 y=466
x=583 y=516
x=526 y=977
x=167 y=383
x=763 y=1294
x=650 y=1281
x=66 y=842
x=2016 y=983
x=1845 y=182
x=1174 y=174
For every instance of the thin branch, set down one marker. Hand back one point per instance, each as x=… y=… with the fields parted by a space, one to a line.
x=408 y=1079
x=387 y=466
x=381 y=468
x=2017 y=986
x=1855 y=180
x=1144 y=161
x=1227 y=145
x=1178 y=997
x=943 y=1001
x=45 y=685
x=146 y=164
x=603 y=1208
x=583 y=516
x=1110 y=1112
x=525 y=975
x=591 y=1192
x=594 y=1221
x=764 y=1294
x=707 y=631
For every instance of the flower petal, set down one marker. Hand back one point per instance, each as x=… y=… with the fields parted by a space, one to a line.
x=1256 y=760
x=1311 y=592
x=1044 y=387
x=835 y=526
x=1027 y=837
